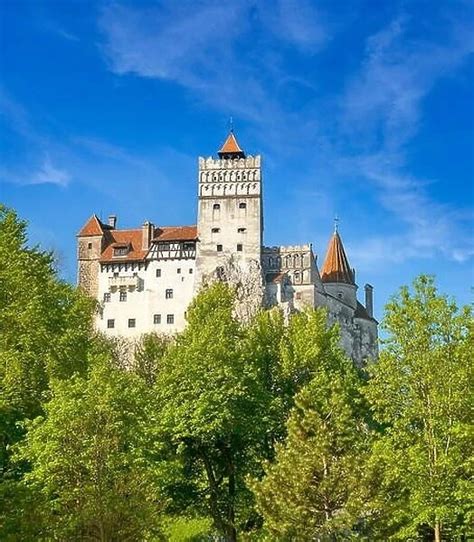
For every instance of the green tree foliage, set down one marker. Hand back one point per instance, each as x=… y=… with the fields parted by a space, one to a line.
x=44 y=329
x=92 y=472
x=206 y=411
x=313 y=490
x=421 y=391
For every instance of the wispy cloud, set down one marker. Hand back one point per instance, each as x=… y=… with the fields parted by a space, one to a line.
x=48 y=173
x=205 y=48
x=382 y=112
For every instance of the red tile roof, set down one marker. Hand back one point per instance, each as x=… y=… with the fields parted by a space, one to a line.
x=121 y=238
x=336 y=265
x=133 y=238
x=175 y=233
x=93 y=227
x=231 y=147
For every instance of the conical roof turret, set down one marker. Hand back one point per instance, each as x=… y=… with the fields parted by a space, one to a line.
x=336 y=266
x=231 y=148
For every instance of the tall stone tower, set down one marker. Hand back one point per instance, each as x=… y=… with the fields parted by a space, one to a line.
x=230 y=217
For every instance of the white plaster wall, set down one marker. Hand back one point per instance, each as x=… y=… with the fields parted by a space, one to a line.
x=144 y=303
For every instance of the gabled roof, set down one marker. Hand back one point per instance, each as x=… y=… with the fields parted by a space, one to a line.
x=231 y=148
x=93 y=227
x=123 y=238
x=175 y=233
x=336 y=266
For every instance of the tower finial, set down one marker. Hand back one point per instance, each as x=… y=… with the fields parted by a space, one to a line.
x=231 y=125
x=336 y=224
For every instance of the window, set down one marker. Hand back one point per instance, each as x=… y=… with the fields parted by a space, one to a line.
x=170 y=318
x=169 y=293
x=121 y=251
x=298 y=295
x=239 y=247
x=241 y=230
x=123 y=296
x=89 y=245
x=158 y=273
x=216 y=206
x=219 y=248
x=178 y=270
x=242 y=205
x=106 y=297
x=157 y=318
x=191 y=271
x=215 y=230
x=110 y=324
x=131 y=322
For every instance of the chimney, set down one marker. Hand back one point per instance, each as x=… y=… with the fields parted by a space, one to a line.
x=369 y=300
x=148 y=231
x=113 y=221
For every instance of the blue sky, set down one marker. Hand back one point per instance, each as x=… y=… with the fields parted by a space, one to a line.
x=360 y=108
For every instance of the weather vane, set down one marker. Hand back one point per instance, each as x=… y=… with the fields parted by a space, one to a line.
x=231 y=124
x=336 y=223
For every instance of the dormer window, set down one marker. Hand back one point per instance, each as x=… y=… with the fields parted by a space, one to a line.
x=120 y=249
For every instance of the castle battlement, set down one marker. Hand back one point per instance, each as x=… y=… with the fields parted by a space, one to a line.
x=211 y=163
x=288 y=248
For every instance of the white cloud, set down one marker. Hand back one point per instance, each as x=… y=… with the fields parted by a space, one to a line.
x=382 y=110
x=50 y=174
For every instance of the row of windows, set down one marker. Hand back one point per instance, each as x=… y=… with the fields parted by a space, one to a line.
x=133 y=323
x=178 y=271
x=240 y=248
x=242 y=205
x=123 y=295
x=239 y=230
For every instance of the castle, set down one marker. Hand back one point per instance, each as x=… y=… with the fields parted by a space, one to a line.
x=145 y=278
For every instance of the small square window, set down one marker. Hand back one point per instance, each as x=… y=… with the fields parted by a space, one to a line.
x=106 y=297
x=157 y=318
x=170 y=318
x=241 y=230
x=116 y=275
x=239 y=247
x=191 y=271
x=178 y=270
x=242 y=205
x=110 y=324
x=169 y=293
x=216 y=206
x=158 y=272
x=123 y=296
x=131 y=322
x=219 y=248
x=89 y=245
x=215 y=230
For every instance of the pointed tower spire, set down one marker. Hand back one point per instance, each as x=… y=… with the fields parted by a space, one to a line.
x=230 y=148
x=336 y=266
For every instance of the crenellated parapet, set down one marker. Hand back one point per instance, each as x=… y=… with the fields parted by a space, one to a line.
x=229 y=177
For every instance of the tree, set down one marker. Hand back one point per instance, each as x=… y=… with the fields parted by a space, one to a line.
x=92 y=473
x=205 y=409
x=45 y=332
x=420 y=391
x=313 y=490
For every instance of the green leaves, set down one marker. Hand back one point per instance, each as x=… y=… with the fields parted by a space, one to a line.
x=419 y=391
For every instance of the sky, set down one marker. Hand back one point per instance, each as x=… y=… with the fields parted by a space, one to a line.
x=361 y=109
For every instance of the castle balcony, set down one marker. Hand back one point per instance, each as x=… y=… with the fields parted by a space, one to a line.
x=125 y=281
